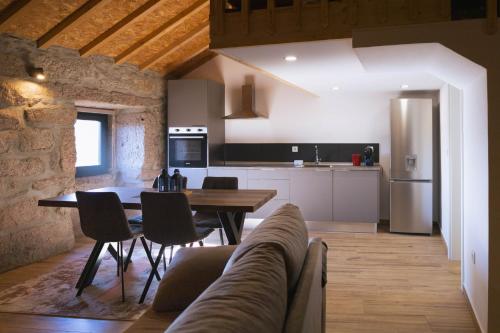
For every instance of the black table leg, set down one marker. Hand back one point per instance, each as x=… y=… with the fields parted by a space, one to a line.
x=95 y=266
x=233 y=225
x=88 y=265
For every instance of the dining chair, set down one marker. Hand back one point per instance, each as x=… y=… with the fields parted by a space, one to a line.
x=168 y=221
x=211 y=219
x=138 y=218
x=103 y=219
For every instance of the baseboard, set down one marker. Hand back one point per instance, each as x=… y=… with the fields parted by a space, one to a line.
x=474 y=318
x=356 y=227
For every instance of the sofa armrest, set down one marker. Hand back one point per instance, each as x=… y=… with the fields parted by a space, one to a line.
x=191 y=271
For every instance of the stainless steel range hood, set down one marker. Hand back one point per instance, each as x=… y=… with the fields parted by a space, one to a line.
x=247 y=104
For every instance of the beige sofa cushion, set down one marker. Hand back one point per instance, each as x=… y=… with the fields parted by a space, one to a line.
x=251 y=297
x=191 y=272
x=286 y=229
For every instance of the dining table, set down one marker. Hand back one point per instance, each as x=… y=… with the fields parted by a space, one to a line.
x=230 y=205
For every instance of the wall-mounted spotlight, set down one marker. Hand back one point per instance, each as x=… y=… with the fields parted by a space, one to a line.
x=37 y=73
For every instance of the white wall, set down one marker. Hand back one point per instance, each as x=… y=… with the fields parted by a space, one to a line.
x=470 y=78
x=293 y=115
x=444 y=96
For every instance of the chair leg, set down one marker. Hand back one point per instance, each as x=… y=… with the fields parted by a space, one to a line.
x=221 y=235
x=171 y=252
x=150 y=257
x=118 y=261
x=150 y=278
x=121 y=271
x=164 y=262
x=151 y=246
x=200 y=243
x=129 y=256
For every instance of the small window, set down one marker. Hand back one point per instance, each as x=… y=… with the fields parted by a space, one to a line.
x=91 y=133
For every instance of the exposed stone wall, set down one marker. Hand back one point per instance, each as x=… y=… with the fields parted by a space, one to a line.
x=37 y=145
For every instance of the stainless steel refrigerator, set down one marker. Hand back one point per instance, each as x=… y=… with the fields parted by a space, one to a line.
x=411 y=166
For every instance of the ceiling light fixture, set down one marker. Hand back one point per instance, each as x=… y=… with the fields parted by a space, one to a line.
x=335 y=88
x=37 y=73
x=290 y=58
x=405 y=86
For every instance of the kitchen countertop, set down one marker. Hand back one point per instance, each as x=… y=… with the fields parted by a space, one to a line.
x=307 y=166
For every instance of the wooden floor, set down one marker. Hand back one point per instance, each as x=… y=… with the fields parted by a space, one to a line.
x=377 y=283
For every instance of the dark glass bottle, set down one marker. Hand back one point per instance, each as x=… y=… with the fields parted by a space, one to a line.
x=163 y=181
x=177 y=181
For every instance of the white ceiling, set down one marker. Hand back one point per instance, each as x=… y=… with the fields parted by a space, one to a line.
x=322 y=65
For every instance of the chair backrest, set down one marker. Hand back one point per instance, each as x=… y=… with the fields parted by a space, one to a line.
x=102 y=216
x=167 y=218
x=220 y=183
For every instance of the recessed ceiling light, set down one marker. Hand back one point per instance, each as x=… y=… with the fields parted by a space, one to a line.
x=335 y=88
x=405 y=86
x=290 y=58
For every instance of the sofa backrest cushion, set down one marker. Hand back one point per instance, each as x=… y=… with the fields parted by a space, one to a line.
x=191 y=271
x=286 y=230
x=251 y=297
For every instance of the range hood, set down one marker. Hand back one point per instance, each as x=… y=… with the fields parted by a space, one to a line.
x=247 y=104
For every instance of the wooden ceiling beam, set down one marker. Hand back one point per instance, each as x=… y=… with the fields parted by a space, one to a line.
x=11 y=10
x=130 y=19
x=161 y=31
x=175 y=46
x=88 y=8
x=195 y=61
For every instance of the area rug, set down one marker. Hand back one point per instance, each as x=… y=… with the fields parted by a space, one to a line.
x=55 y=293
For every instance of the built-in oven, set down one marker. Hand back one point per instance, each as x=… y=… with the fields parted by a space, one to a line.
x=187 y=147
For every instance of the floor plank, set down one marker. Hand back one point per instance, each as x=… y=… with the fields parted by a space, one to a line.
x=376 y=283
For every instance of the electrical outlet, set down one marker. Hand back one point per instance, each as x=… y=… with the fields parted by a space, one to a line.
x=473 y=254
x=295 y=149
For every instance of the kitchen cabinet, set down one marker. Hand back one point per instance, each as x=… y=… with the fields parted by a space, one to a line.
x=240 y=173
x=312 y=191
x=356 y=195
x=270 y=179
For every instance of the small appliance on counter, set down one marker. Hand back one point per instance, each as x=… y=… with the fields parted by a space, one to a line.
x=368 y=155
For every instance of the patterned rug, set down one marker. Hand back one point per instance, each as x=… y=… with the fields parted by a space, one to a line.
x=55 y=293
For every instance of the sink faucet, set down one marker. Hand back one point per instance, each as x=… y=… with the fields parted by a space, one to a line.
x=316 y=152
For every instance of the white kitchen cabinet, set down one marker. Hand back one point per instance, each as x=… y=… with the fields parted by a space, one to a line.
x=270 y=179
x=240 y=173
x=356 y=195
x=311 y=190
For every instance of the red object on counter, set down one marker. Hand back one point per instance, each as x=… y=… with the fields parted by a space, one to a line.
x=356 y=159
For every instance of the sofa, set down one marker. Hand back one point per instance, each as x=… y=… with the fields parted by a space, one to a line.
x=274 y=281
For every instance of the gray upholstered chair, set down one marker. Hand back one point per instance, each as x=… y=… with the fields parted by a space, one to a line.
x=138 y=218
x=103 y=219
x=211 y=219
x=168 y=221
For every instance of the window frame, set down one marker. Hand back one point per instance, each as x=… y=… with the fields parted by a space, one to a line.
x=95 y=170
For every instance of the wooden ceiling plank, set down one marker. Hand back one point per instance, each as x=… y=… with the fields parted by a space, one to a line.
x=161 y=31
x=185 y=67
x=11 y=10
x=174 y=46
x=130 y=19
x=74 y=18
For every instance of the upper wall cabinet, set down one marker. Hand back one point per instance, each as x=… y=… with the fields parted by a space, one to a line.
x=195 y=103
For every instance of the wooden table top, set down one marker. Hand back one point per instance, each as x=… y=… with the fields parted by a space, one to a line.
x=214 y=200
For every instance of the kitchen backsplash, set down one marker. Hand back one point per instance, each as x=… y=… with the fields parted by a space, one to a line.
x=282 y=152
